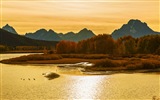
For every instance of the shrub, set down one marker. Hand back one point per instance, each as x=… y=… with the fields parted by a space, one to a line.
x=85 y=56
x=94 y=56
x=147 y=64
x=72 y=55
x=150 y=64
x=106 y=63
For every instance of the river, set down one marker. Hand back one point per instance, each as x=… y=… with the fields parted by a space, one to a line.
x=27 y=82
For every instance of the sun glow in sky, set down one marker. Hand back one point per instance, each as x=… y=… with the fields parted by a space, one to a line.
x=100 y=16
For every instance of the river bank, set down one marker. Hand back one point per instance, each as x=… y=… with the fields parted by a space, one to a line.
x=101 y=62
x=21 y=51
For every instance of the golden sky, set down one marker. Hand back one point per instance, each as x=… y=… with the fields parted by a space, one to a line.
x=100 y=16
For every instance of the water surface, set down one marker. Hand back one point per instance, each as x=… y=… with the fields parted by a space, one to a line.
x=27 y=82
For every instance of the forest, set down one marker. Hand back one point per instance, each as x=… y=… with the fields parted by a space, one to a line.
x=105 y=44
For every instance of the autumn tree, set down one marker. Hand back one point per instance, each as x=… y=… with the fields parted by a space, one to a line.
x=66 y=47
x=149 y=44
x=126 y=45
x=101 y=44
x=105 y=44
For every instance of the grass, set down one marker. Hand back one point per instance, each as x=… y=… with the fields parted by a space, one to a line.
x=106 y=63
x=85 y=56
x=127 y=64
x=34 y=57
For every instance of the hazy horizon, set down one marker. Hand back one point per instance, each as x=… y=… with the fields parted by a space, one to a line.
x=63 y=16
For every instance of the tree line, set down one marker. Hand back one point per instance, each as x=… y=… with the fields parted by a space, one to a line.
x=4 y=48
x=105 y=44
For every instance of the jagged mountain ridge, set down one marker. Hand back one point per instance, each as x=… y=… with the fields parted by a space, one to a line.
x=134 y=28
x=43 y=34
x=81 y=35
x=50 y=35
x=9 y=29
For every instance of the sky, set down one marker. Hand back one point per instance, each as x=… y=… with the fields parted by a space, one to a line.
x=62 y=16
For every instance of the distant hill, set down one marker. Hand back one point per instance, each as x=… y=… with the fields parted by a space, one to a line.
x=68 y=36
x=9 y=29
x=9 y=39
x=43 y=34
x=134 y=28
x=81 y=35
x=50 y=35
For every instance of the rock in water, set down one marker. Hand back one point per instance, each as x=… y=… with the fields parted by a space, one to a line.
x=50 y=75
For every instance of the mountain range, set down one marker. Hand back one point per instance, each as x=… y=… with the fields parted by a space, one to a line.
x=10 y=39
x=43 y=34
x=134 y=28
x=50 y=35
x=81 y=35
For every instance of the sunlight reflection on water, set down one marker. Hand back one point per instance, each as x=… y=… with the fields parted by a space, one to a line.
x=70 y=86
x=87 y=87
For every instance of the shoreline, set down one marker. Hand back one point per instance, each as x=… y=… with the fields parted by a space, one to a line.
x=102 y=63
x=59 y=61
x=15 y=52
x=111 y=72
